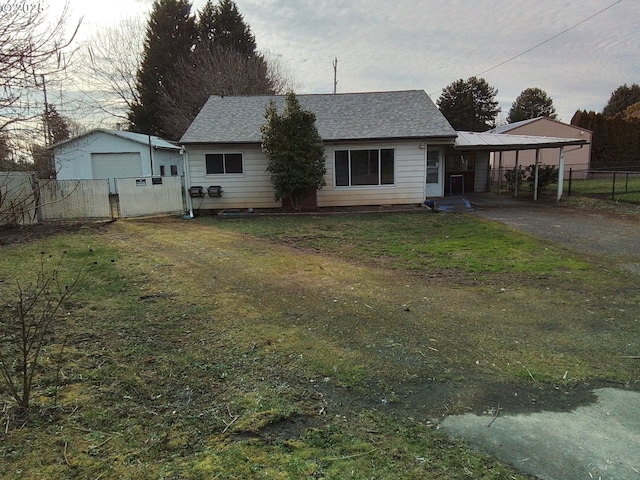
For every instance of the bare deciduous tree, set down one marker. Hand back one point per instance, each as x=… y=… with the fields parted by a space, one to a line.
x=217 y=71
x=31 y=48
x=106 y=69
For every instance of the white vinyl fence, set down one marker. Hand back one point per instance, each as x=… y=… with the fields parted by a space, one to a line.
x=24 y=200
x=17 y=199
x=149 y=196
x=74 y=199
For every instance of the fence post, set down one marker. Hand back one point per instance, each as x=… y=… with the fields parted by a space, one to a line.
x=570 y=178
x=613 y=188
x=626 y=185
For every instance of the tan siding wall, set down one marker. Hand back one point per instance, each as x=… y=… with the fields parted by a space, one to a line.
x=409 y=178
x=251 y=189
x=575 y=157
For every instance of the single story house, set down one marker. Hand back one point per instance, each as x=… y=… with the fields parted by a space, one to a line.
x=381 y=148
x=102 y=154
x=577 y=158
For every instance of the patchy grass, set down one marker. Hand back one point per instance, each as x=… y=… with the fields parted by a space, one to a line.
x=315 y=347
x=625 y=190
x=414 y=241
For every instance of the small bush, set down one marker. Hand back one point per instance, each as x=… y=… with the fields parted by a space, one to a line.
x=547 y=175
x=27 y=318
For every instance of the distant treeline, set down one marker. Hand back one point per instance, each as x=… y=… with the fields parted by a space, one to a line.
x=616 y=140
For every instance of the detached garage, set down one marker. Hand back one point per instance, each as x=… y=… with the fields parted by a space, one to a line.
x=111 y=154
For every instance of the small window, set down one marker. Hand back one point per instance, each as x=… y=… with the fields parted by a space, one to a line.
x=221 y=163
x=162 y=173
x=174 y=170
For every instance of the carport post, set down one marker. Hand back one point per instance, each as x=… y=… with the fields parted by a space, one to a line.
x=499 y=172
x=535 y=181
x=560 y=175
x=516 y=175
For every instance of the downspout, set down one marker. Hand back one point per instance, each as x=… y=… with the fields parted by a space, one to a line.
x=187 y=182
x=150 y=155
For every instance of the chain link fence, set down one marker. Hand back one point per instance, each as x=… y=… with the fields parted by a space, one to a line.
x=618 y=186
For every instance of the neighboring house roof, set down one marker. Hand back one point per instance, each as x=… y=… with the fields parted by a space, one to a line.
x=156 y=142
x=345 y=116
x=495 y=142
x=512 y=126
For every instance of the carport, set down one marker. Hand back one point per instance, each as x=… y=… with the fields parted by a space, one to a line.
x=473 y=142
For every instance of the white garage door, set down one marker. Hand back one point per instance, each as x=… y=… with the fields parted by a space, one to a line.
x=116 y=165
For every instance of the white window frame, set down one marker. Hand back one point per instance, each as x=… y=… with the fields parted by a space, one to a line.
x=379 y=184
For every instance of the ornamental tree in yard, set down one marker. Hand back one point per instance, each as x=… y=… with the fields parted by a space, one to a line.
x=295 y=151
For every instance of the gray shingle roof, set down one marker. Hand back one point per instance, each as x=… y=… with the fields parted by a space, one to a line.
x=346 y=116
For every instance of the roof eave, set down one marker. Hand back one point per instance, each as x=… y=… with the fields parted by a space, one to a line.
x=440 y=138
x=512 y=147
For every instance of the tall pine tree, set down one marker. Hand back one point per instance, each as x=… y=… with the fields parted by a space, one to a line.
x=171 y=36
x=223 y=62
x=225 y=27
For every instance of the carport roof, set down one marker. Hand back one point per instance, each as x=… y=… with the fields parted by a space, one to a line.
x=496 y=142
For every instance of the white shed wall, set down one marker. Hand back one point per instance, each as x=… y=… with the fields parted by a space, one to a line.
x=73 y=159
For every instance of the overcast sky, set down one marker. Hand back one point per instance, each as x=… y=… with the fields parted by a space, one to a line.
x=384 y=45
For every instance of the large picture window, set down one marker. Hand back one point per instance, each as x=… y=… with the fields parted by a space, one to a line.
x=364 y=167
x=217 y=163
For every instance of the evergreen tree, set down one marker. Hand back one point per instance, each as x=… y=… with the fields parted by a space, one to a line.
x=469 y=104
x=531 y=103
x=615 y=140
x=224 y=62
x=171 y=35
x=56 y=126
x=205 y=26
x=224 y=26
x=294 y=150
x=622 y=97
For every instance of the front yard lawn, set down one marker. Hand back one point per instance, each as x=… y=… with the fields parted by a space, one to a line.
x=309 y=347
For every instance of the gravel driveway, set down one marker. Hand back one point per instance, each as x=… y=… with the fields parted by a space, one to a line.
x=581 y=229
x=599 y=440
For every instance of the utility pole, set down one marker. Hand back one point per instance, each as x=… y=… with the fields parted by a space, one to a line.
x=335 y=75
x=47 y=126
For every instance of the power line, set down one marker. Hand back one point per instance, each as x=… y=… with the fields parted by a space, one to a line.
x=547 y=40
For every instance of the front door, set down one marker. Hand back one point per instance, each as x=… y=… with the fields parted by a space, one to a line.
x=433 y=186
